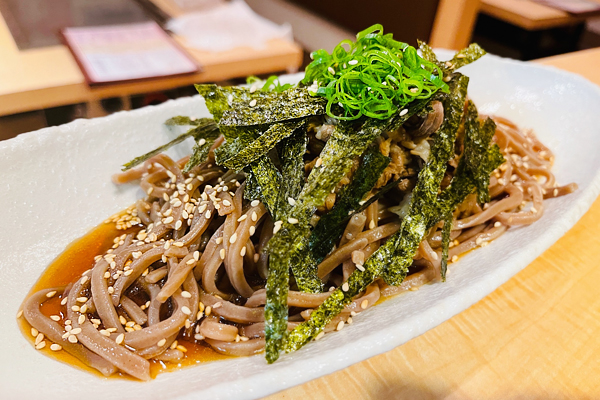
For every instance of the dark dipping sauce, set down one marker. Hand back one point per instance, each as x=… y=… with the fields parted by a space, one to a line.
x=66 y=268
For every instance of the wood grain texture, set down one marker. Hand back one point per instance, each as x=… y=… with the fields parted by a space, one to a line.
x=536 y=337
x=454 y=23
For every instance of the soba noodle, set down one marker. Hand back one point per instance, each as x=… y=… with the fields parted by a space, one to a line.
x=191 y=262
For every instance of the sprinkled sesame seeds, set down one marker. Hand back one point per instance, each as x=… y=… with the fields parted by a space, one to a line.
x=255 y=203
x=186 y=310
x=161 y=342
x=497 y=224
x=254 y=216
x=360 y=267
x=291 y=201
x=185 y=294
x=233 y=238
x=252 y=103
x=292 y=220
x=217 y=305
x=243 y=217
x=331 y=70
x=178 y=225
x=318 y=162
x=454 y=259
x=72 y=339
x=81 y=319
x=256 y=257
x=364 y=304
x=208 y=310
x=190 y=261
x=339 y=326
x=178 y=244
x=196 y=255
x=55 y=347
x=345 y=287
x=207 y=215
x=252 y=230
x=222 y=254
x=40 y=345
x=404 y=112
x=51 y=294
x=352 y=62
x=243 y=251
x=320 y=335
x=64 y=301
x=478 y=241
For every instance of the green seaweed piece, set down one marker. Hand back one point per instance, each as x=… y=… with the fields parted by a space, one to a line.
x=446 y=229
x=260 y=146
x=424 y=195
x=477 y=140
x=329 y=229
x=268 y=181
x=291 y=155
x=203 y=127
x=270 y=107
x=184 y=120
x=460 y=59
x=201 y=148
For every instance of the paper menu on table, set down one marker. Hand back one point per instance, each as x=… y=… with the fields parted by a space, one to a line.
x=117 y=53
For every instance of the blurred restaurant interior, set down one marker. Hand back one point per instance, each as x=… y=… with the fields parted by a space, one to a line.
x=42 y=83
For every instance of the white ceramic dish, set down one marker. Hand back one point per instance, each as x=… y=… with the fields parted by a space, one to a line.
x=55 y=185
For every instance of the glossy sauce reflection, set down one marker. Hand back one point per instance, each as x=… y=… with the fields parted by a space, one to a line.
x=69 y=265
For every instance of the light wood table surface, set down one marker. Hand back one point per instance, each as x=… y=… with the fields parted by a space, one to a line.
x=528 y=14
x=49 y=77
x=536 y=337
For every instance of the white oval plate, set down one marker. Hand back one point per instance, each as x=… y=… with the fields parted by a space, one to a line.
x=55 y=186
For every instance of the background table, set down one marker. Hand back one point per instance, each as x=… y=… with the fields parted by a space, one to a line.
x=536 y=337
x=49 y=76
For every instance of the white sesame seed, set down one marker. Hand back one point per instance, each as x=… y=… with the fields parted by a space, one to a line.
x=364 y=304
x=39 y=338
x=497 y=224
x=292 y=220
x=50 y=294
x=252 y=230
x=256 y=257
x=196 y=255
x=72 y=339
x=320 y=335
x=331 y=70
x=233 y=238
x=454 y=259
x=226 y=203
x=40 y=345
x=178 y=225
x=276 y=229
x=318 y=162
x=254 y=216
x=404 y=112
x=255 y=203
x=208 y=310
x=81 y=319
x=178 y=244
x=207 y=215
x=360 y=267
x=219 y=240
x=372 y=224
x=55 y=318
x=352 y=62
x=75 y=308
x=478 y=241
x=222 y=254
x=252 y=103
x=55 y=347
x=243 y=217
x=185 y=294
x=243 y=251
x=291 y=201
x=434 y=256
x=345 y=287
x=339 y=326
x=161 y=342
x=75 y=331
x=84 y=279
x=190 y=261
x=186 y=310
x=64 y=301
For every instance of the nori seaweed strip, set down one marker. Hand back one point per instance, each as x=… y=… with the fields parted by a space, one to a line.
x=184 y=120
x=200 y=152
x=270 y=107
x=422 y=204
x=461 y=58
x=477 y=141
x=329 y=229
x=268 y=180
x=446 y=229
x=291 y=155
x=204 y=128
x=260 y=146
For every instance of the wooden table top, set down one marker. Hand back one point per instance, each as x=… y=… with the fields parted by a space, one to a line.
x=535 y=337
x=49 y=76
x=528 y=14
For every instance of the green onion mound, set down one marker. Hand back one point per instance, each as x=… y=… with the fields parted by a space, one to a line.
x=372 y=77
